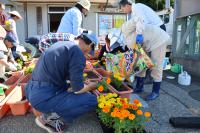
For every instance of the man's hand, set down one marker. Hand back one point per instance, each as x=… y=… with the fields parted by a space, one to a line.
x=88 y=87
x=139 y=39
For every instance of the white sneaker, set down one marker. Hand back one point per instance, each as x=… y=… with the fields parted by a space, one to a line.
x=51 y=125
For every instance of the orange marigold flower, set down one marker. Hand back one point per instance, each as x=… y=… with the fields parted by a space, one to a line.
x=125 y=113
x=113 y=114
x=121 y=116
x=136 y=101
x=106 y=109
x=147 y=114
x=139 y=112
x=100 y=88
x=125 y=106
x=131 y=116
x=122 y=101
x=108 y=80
x=134 y=107
x=116 y=109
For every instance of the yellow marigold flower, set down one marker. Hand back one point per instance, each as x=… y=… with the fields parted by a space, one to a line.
x=147 y=114
x=131 y=116
x=115 y=95
x=136 y=101
x=120 y=78
x=101 y=105
x=100 y=88
x=84 y=75
x=139 y=112
x=108 y=80
x=139 y=105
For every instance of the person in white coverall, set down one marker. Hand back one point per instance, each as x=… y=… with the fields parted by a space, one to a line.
x=144 y=15
x=72 y=19
x=155 y=41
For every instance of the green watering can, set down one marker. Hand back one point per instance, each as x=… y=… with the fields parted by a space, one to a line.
x=176 y=68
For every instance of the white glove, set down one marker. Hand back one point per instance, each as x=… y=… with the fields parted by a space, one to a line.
x=12 y=67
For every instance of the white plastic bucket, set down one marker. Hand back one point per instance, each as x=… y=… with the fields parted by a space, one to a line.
x=184 y=78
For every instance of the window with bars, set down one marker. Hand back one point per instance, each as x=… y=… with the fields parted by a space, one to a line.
x=191 y=46
x=39 y=20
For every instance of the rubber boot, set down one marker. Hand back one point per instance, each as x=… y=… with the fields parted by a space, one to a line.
x=139 y=85
x=155 y=91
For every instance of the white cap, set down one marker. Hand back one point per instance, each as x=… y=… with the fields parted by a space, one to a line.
x=2 y=36
x=16 y=13
x=85 y=3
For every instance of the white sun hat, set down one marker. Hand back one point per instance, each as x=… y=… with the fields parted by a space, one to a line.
x=85 y=3
x=16 y=13
x=2 y=36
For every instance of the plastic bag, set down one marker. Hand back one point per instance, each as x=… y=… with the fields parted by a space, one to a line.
x=128 y=63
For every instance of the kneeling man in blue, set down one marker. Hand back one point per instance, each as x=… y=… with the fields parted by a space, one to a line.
x=48 y=90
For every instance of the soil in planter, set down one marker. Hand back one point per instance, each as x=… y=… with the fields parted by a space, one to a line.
x=24 y=98
x=105 y=91
x=118 y=89
x=8 y=75
x=129 y=85
x=91 y=75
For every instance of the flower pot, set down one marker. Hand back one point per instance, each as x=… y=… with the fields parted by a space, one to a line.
x=3 y=110
x=125 y=93
x=111 y=130
x=6 y=92
x=18 y=103
x=25 y=79
x=3 y=106
x=103 y=72
x=2 y=97
x=20 y=107
x=13 y=79
x=92 y=75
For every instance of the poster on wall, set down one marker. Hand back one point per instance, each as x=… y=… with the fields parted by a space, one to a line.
x=105 y=24
x=118 y=20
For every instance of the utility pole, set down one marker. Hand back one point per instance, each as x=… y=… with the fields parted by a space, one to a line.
x=167 y=4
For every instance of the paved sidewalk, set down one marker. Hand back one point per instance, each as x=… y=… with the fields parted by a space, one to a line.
x=174 y=101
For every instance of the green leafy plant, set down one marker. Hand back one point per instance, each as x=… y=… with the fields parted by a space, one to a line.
x=103 y=85
x=29 y=69
x=116 y=83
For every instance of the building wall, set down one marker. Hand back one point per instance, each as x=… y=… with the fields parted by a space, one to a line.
x=20 y=24
x=28 y=26
x=88 y=23
x=187 y=7
x=186 y=35
x=32 y=22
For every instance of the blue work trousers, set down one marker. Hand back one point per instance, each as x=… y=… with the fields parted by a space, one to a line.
x=47 y=98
